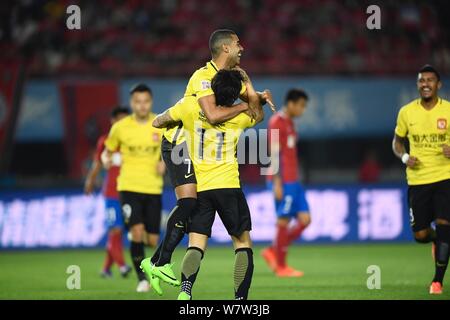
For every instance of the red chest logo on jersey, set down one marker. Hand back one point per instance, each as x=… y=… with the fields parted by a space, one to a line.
x=155 y=137
x=442 y=124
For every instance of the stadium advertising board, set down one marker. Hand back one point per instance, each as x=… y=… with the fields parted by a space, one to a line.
x=339 y=214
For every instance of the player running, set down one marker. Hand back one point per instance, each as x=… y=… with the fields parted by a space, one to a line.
x=226 y=52
x=114 y=220
x=213 y=151
x=140 y=181
x=424 y=122
x=290 y=201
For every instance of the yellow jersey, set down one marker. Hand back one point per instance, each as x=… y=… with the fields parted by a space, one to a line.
x=199 y=86
x=213 y=149
x=140 y=146
x=427 y=131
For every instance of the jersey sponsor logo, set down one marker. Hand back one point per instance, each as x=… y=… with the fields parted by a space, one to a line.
x=442 y=124
x=420 y=140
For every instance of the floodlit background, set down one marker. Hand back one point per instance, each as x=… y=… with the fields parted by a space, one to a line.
x=57 y=87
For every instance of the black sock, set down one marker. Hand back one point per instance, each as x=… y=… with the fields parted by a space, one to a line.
x=442 y=251
x=189 y=268
x=137 y=255
x=155 y=257
x=175 y=230
x=243 y=272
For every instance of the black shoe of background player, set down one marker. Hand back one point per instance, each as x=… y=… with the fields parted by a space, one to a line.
x=125 y=271
x=106 y=274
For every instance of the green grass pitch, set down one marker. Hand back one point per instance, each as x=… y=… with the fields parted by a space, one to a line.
x=331 y=272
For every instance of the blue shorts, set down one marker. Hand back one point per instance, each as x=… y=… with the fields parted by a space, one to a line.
x=114 y=218
x=293 y=202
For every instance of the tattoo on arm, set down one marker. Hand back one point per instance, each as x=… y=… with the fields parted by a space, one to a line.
x=163 y=120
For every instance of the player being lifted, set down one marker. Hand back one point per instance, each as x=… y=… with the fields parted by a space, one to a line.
x=424 y=123
x=213 y=151
x=140 y=181
x=290 y=201
x=226 y=52
x=114 y=220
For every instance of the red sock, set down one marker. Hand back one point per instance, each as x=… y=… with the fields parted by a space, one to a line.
x=108 y=259
x=280 y=245
x=117 y=248
x=295 y=232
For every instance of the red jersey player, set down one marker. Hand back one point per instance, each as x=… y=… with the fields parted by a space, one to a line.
x=290 y=200
x=114 y=248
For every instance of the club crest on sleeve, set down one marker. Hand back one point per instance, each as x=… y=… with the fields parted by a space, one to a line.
x=442 y=124
x=205 y=84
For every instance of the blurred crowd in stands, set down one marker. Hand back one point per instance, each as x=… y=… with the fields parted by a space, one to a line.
x=170 y=37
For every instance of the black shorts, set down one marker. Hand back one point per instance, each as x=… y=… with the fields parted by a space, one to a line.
x=141 y=208
x=231 y=206
x=428 y=202
x=178 y=163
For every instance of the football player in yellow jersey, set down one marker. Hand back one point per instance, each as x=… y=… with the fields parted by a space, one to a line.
x=226 y=52
x=213 y=151
x=425 y=123
x=140 y=181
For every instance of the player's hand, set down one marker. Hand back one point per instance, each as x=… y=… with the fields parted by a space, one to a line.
x=446 y=150
x=89 y=186
x=267 y=97
x=412 y=162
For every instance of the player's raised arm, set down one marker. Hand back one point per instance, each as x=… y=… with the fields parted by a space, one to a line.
x=216 y=114
x=254 y=101
x=263 y=96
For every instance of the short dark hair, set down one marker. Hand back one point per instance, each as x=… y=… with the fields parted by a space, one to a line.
x=295 y=95
x=119 y=110
x=217 y=39
x=141 y=87
x=430 y=68
x=226 y=85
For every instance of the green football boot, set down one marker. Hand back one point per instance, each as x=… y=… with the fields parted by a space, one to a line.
x=184 y=296
x=166 y=274
x=146 y=266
